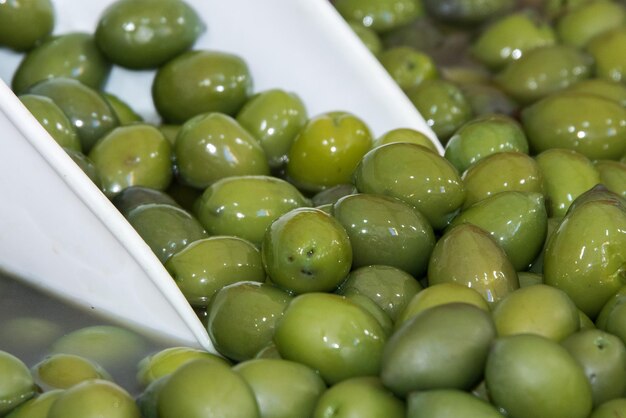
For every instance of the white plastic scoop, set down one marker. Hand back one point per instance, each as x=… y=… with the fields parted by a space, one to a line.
x=59 y=232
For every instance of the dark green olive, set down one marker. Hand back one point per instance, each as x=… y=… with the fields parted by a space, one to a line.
x=73 y=55
x=147 y=33
x=52 y=118
x=385 y=230
x=379 y=15
x=587 y=123
x=85 y=164
x=197 y=82
x=85 y=107
x=443 y=106
x=333 y=194
x=243 y=317
x=466 y=11
x=125 y=114
x=134 y=196
x=25 y=23
x=443 y=402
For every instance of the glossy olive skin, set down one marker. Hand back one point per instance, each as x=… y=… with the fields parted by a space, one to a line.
x=134 y=155
x=125 y=114
x=607 y=51
x=167 y=361
x=73 y=55
x=359 y=397
x=586 y=123
x=468 y=255
x=134 y=196
x=24 y=23
x=483 y=136
x=612 y=175
x=331 y=195
x=37 y=407
x=539 y=309
x=582 y=24
x=443 y=403
x=166 y=229
x=542 y=71
x=94 y=399
x=274 y=117
x=566 y=175
x=90 y=114
x=586 y=255
x=466 y=11
x=408 y=66
x=282 y=388
x=379 y=15
x=243 y=318
x=405 y=135
x=390 y=288
x=499 y=172
x=306 y=250
x=85 y=164
x=16 y=385
x=603 y=357
x=415 y=175
x=246 y=205
x=368 y=36
x=531 y=376
x=607 y=89
x=62 y=371
x=510 y=37
x=203 y=387
x=197 y=82
x=52 y=118
x=443 y=106
x=442 y=347
x=146 y=34
x=441 y=294
x=385 y=230
x=331 y=334
x=327 y=150
x=207 y=265
x=518 y=221
x=212 y=146
x=369 y=306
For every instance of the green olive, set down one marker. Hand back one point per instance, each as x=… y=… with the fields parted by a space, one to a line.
x=566 y=175
x=543 y=71
x=62 y=371
x=331 y=195
x=125 y=114
x=531 y=376
x=583 y=23
x=443 y=403
x=510 y=37
x=134 y=196
x=85 y=164
x=243 y=318
x=468 y=255
x=587 y=123
x=499 y=172
x=380 y=15
x=134 y=155
x=282 y=388
x=213 y=146
x=610 y=409
x=331 y=334
x=147 y=33
x=607 y=89
x=94 y=399
x=466 y=11
x=327 y=150
x=483 y=136
x=405 y=135
x=25 y=23
x=36 y=407
x=368 y=36
x=52 y=118
x=415 y=175
x=245 y=206
x=443 y=106
x=17 y=385
x=274 y=118
x=442 y=347
x=607 y=50
x=612 y=175
x=197 y=82
x=85 y=107
x=390 y=288
x=205 y=266
x=73 y=55
x=385 y=230
x=408 y=66
x=306 y=250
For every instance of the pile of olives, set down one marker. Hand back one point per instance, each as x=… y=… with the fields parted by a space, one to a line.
x=342 y=275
